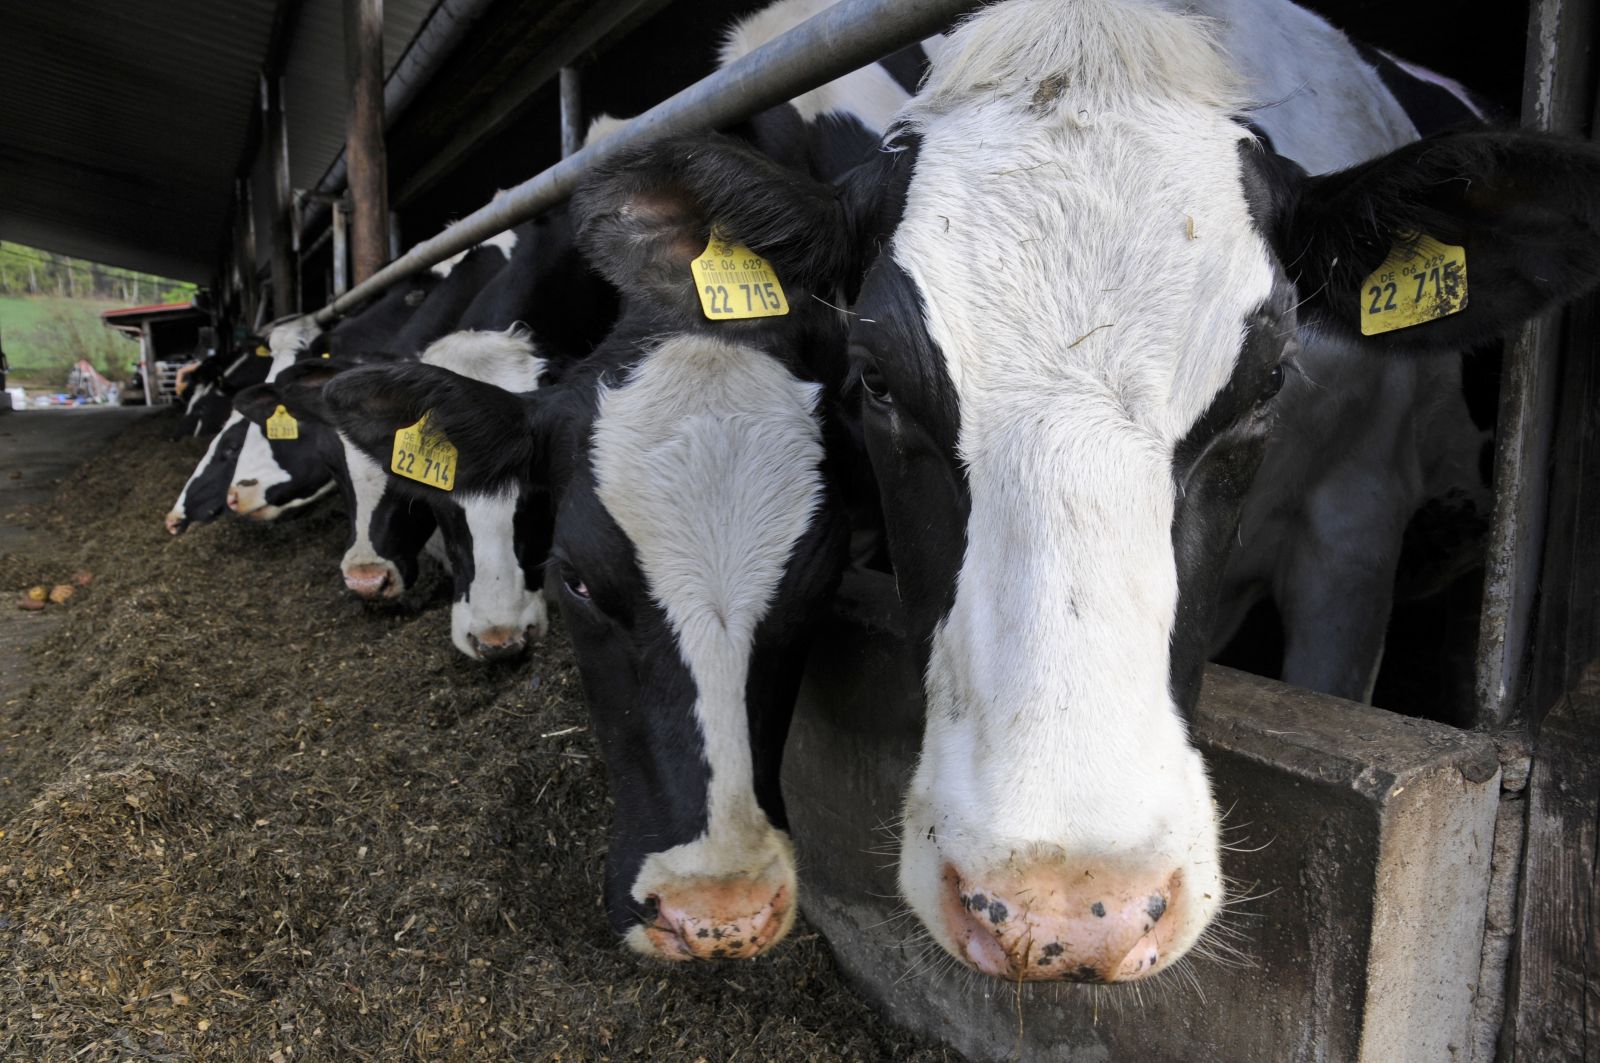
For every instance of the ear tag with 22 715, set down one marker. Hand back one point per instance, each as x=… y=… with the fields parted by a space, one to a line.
x=282 y=425
x=1414 y=286
x=424 y=456
x=735 y=283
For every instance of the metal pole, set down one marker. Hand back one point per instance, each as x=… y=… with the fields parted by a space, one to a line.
x=369 y=169
x=341 y=250
x=285 y=288
x=571 y=112
x=829 y=45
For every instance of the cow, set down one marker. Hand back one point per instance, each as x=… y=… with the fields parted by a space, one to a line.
x=261 y=479
x=208 y=387
x=694 y=472
x=1133 y=265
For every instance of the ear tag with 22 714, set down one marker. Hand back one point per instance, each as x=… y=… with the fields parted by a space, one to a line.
x=735 y=283
x=425 y=456
x=1415 y=285
x=282 y=425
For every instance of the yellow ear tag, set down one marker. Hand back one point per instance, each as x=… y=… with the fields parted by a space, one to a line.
x=736 y=283
x=1413 y=288
x=262 y=351
x=327 y=354
x=282 y=425
x=424 y=456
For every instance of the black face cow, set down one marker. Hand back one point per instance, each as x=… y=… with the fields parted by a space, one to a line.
x=207 y=390
x=1070 y=359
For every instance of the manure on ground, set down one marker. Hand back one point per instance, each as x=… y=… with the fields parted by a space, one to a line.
x=246 y=817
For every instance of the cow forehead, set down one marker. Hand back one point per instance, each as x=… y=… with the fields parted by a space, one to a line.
x=1112 y=257
x=708 y=458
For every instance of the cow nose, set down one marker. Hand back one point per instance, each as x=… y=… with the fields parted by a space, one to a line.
x=719 y=919
x=498 y=643
x=175 y=523
x=372 y=581
x=1048 y=922
x=233 y=499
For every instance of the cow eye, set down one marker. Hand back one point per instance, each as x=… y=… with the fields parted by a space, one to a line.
x=1274 y=382
x=874 y=384
x=574 y=584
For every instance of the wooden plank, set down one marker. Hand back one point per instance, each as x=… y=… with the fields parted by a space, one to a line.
x=367 y=161
x=275 y=131
x=1555 y=1004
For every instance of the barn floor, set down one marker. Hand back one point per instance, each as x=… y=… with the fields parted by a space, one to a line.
x=244 y=817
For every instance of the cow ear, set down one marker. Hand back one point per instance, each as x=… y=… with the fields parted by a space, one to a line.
x=257 y=402
x=300 y=386
x=646 y=215
x=490 y=427
x=1523 y=207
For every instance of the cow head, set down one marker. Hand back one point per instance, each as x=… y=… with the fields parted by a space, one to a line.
x=1068 y=359
x=695 y=530
x=273 y=475
x=388 y=526
x=212 y=487
x=496 y=535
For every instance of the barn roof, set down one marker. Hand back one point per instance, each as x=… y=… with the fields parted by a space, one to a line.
x=123 y=125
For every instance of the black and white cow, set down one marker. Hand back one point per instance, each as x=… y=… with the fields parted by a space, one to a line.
x=1108 y=319
x=260 y=478
x=388 y=528
x=693 y=472
x=208 y=388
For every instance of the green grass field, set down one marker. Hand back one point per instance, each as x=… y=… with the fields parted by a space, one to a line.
x=43 y=336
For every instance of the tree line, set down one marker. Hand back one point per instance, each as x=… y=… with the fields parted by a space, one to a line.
x=30 y=271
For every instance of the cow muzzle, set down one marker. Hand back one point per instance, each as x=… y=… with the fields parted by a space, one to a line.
x=717 y=919
x=374 y=582
x=176 y=522
x=1048 y=922
x=498 y=643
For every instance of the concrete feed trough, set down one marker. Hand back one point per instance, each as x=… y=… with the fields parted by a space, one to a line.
x=1363 y=836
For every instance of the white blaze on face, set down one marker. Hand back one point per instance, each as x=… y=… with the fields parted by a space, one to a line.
x=257 y=468
x=367 y=482
x=709 y=460
x=498 y=597
x=1047 y=228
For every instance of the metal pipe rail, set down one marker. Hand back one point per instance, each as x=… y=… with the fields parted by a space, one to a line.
x=847 y=36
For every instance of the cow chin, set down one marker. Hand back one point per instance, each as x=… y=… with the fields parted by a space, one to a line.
x=703 y=901
x=1083 y=905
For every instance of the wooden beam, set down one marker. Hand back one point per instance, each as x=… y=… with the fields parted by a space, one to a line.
x=571 y=111
x=364 y=146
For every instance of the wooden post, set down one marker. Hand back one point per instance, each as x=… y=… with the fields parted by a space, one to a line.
x=367 y=167
x=285 y=284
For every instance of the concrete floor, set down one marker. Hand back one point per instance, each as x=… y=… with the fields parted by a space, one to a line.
x=37 y=449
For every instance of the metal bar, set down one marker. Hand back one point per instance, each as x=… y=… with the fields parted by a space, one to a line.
x=1555 y=99
x=571 y=112
x=602 y=17
x=364 y=147
x=285 y=287
x=829 y=45
x=341 y=250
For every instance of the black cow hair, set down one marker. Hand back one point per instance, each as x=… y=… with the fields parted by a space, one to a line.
x=1524 y=206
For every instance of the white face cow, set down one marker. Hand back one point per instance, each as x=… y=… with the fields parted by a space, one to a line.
x=1068 y=356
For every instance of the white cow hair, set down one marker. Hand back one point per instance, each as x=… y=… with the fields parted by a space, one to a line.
x=869 y=94
x=709 y=460
x=180 y=510
x=601 y=127
x=498 y=595
x=367 y=483
x=1076 y=142
x=506 y=359
x=504 y=241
